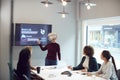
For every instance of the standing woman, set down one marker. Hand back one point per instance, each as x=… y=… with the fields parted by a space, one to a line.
x=108 y=68
x=53 y=50
x=88 y=62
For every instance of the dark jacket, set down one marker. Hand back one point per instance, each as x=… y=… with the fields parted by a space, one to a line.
x=93 y=66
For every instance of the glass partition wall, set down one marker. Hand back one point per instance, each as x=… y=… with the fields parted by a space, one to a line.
x=103 y=34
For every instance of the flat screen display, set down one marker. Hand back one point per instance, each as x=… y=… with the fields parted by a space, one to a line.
x=28 y=34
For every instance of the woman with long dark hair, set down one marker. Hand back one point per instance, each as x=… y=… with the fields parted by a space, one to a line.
x=108 y=68
x=23 y=65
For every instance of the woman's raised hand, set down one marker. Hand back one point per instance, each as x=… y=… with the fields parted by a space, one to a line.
x=38 y=41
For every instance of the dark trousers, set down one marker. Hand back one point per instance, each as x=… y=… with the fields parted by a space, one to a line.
x=49 y=62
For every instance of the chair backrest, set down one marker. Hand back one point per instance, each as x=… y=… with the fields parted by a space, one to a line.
x=25 y=77
x=15 y=76
x=99 y=65
x=9 y=67
x=118 y=74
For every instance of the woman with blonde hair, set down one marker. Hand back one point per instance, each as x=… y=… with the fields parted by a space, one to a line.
x=53 y=50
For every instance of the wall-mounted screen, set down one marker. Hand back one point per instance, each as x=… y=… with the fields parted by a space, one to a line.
x=28 y=34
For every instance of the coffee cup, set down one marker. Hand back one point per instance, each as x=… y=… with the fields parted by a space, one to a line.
x=38 y=70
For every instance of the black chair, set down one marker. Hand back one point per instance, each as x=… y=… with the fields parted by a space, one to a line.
x=99 y=65
x=13 y=73
x=15 y=76
x=9 y=66
x=25 y=77
x=118 y=74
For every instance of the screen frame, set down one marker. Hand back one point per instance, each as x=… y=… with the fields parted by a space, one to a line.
x=18 y=27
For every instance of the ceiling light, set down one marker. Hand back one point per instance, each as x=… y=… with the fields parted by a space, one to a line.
x=88 y=4
x=46 y=3
x=63 y=13
x=88 y=7
x=64 y=2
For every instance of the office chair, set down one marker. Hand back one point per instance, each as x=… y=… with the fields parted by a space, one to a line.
x=15 y=76
x=9 y=67
x=25 y=77
x=118 y=74
x=13 y=73
x=99 y=65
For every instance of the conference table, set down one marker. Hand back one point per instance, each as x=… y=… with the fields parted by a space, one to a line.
x=55 y=73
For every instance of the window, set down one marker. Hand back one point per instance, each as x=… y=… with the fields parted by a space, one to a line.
x=103 y=36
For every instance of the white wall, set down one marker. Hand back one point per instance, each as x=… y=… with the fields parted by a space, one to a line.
x=106 y=12
x=4 y=39
x=0 y=34
x=29 y=11
x=32 y=11
x=104 y=8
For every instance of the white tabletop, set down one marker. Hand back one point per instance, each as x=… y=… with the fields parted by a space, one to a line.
x=54 y=73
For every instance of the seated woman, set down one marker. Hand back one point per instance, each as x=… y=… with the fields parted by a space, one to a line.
x=107 y=69
x=88 y=62
x=23 y=65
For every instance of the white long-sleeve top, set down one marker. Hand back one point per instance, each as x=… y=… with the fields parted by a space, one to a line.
x=86 y=62
x=107 y=71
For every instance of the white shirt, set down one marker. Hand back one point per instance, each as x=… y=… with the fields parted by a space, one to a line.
x=86 y=62
x=107 y=71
